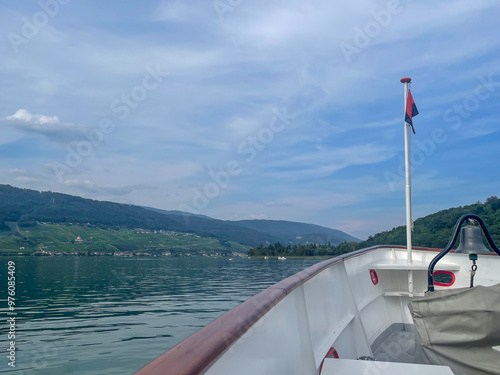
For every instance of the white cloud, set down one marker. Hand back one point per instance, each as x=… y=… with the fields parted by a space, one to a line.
x=50 y=127
x=258 y=217
x=324 y=161
x=24 y=115
x=281 y=24
x=17 y=171
x=226 y=77
x=175 y=11
x=87 y=187
x=26 y=179
x=241 y=126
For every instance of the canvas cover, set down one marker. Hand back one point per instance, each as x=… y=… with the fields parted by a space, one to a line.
x=458 y=328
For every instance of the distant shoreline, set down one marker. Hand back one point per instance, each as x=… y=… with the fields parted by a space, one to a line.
x=146 y=255
x=295 y=257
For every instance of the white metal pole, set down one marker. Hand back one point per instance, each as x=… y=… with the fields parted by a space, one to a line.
x=408 y=180
x=406 y=82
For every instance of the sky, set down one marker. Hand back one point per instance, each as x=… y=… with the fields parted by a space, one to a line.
x=238 y=109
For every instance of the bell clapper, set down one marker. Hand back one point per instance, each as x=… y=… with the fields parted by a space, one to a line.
x=473 y=268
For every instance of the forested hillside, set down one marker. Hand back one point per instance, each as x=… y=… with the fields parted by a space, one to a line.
x=430 y=231
x=23 y=208
x=435 y=230
x=27 y=207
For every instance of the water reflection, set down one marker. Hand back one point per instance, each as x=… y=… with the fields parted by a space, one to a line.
x=108 y=315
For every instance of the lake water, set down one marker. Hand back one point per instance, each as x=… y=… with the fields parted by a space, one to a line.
x=109 y=315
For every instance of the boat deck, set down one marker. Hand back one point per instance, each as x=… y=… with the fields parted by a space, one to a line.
x=398 y=347
x=394 y=356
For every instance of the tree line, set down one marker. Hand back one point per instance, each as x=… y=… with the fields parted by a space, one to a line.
x=312 y=249
x=435 y=230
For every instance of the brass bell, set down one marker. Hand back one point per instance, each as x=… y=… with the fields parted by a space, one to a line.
x=471 y=241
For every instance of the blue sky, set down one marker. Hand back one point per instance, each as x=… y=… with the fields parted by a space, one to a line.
x=237 y=110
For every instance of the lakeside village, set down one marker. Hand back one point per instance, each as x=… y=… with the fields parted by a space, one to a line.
x=138 y=253
x=143 y=253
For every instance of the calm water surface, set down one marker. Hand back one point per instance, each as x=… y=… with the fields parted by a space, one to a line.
x=109 y=315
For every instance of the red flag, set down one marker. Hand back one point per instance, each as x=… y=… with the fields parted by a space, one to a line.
x=411 y=110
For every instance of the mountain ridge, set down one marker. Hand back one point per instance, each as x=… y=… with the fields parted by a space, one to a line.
x=310 y=233
x=28 y=207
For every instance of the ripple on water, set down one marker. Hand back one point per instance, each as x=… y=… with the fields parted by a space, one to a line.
x=106 y=315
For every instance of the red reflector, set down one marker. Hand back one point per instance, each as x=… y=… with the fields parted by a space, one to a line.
x=444 y=278
x=331 y=352
x=374 y=277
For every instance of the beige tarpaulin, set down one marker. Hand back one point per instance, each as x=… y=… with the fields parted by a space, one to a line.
x=458 y=328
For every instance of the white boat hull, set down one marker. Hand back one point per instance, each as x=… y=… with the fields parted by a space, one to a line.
x=290 y=327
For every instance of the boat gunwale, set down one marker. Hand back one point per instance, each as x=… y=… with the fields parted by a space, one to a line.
x=197 y=353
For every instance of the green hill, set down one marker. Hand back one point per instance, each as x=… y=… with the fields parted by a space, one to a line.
x=61 y=237
x=287 y=232
x=29 y=207
x=25 y=211
x=436 y=229
x=35 y=220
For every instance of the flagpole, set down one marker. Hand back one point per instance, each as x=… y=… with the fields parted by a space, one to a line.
x=406 y=81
